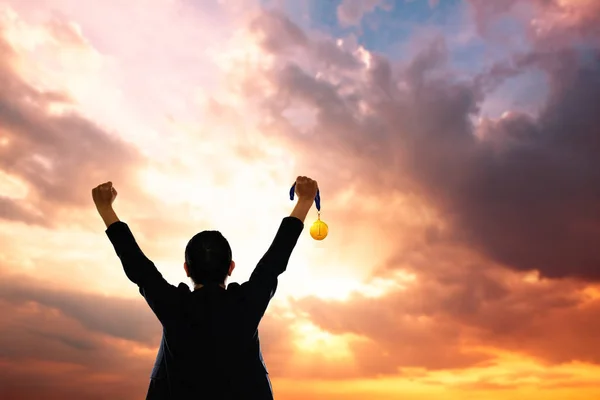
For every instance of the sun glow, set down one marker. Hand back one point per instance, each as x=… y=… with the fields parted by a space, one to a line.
x=311 y=339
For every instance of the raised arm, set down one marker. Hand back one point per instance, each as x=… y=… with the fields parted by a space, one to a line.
x=301 y=209
x=138 y=268
x=104 y=196
x=275 y=260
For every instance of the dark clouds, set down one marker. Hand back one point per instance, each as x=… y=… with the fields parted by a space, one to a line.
x=278 y=34
x=120 y=318
x=60 y=343
x=551 y=23
x=83 y=345
x=72 y=339
x=534 y=205
x=524 y=190
x=60 y=157
x=445 y=321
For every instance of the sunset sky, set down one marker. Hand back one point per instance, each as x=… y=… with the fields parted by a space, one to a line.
x=457 y=149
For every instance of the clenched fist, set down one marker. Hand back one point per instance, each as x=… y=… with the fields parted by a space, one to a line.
x=104 y=195
x=306 y=188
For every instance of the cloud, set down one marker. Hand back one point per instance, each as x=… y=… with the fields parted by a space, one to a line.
x=58 y=156
x=522 y=189
x=120 y=318
x=434 y=3
x=549 y=23
x=72 y=350
x=278 y=34
x=51 y=149
x=10 y=210
x=351 y=12
x=510 y=195
x=89 y=344
x=459 y=318
x=465 y=207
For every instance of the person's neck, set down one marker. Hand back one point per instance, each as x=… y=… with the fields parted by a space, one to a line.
x=199 y=285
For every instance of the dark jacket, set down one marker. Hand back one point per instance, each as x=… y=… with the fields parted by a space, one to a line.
x=210 y=347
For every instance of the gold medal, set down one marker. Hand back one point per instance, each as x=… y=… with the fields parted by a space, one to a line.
x=319 y=229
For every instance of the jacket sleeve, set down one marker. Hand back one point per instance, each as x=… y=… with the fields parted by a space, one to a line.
x=275 y=260
x=159 y=294
x=263 y=281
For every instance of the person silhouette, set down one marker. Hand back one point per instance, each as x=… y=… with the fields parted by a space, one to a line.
x=210 y=347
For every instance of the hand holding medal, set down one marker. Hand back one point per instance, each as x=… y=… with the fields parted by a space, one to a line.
x=319 y=229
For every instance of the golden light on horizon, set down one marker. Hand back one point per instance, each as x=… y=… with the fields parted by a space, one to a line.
x=311 y=339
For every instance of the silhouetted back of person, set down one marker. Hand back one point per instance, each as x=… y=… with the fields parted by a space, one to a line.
x=210 y=347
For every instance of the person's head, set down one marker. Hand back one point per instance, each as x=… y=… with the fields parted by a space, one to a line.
x=208 y=258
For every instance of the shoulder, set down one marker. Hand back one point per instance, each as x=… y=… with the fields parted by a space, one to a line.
x=235 y=290
x=234 y=287
x=183 y=289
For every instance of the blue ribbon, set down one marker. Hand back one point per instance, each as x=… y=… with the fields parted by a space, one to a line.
x=317 y=197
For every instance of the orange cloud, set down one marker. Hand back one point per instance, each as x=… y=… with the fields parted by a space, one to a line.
x=410 y=129
x=457 y=250
x=55 y=156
